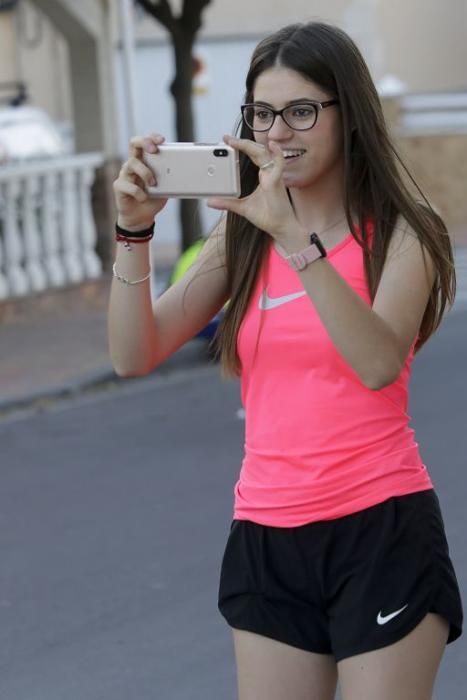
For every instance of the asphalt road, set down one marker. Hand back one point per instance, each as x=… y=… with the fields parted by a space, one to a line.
x=114 y=510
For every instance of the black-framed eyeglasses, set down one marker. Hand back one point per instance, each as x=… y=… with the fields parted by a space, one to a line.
x=299 y=117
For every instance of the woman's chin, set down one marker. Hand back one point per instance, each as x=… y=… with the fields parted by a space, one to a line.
x=296 y=182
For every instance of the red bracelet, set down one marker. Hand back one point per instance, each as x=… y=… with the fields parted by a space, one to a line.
x=129 y=237
x=143 y=233
x=138 y=239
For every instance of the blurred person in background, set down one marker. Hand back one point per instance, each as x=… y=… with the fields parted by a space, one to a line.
x=336 y=567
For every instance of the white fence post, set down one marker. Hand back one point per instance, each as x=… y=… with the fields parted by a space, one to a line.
x=50 y=227
x=70 y=222
x=4 y=289
x=35 y=269
x=88 y=233
x=15 y=273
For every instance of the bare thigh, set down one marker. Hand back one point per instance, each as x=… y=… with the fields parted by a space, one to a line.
x=270 y=670
x=405 y=670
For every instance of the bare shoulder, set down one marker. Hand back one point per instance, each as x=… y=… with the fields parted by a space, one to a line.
x=405 y=244
x=405 y=285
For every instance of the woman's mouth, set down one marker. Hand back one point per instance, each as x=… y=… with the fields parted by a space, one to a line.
x=291 y=154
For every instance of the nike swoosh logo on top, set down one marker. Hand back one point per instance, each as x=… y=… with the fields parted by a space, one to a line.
x=266 y=302
x=382 y=619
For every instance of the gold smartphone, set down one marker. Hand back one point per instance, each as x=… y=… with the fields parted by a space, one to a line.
x=194 y=170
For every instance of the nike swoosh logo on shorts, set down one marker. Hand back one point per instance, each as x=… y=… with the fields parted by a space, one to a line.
x=266 y=302
x=382 y=619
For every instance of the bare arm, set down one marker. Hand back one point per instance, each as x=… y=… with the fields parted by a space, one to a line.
x=374 y=340
x=141 y=337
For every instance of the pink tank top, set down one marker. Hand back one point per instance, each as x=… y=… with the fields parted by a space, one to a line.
x=318 y=444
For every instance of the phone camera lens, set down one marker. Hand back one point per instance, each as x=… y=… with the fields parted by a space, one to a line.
x=221 y=152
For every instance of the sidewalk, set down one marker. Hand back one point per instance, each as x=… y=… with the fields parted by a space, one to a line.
x=55 y=344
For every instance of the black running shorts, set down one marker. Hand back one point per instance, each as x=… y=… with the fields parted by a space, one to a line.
x=343 y=586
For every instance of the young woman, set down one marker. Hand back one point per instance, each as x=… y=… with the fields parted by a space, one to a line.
x=337 y=565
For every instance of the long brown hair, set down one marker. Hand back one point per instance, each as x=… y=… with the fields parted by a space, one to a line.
x=374 y=189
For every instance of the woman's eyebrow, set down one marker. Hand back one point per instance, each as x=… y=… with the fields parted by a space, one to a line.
x=298 y=101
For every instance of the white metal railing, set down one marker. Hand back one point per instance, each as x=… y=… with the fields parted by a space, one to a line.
x=47 y=230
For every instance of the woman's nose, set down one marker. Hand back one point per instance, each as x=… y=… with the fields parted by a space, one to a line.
x=279 y=129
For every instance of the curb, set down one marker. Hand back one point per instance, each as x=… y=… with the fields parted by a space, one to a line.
x=61 y=391
x=192 y=355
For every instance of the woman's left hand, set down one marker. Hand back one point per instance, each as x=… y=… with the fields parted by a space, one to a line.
x=268 y=207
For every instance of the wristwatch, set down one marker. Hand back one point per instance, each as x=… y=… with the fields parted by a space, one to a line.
x=315 y=251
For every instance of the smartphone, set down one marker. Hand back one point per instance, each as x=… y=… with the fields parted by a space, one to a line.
x=194 y=170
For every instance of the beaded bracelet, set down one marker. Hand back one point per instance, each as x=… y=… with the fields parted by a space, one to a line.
x=127 y=281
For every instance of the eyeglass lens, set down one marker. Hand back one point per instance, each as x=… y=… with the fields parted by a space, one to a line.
x=299 y=116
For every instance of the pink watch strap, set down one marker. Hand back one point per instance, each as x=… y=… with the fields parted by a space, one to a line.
x=315 y=251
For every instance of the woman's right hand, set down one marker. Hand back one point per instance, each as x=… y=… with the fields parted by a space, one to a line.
x=136 y=210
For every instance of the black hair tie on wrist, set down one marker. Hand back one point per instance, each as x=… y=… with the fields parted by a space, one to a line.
x=143 y=233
